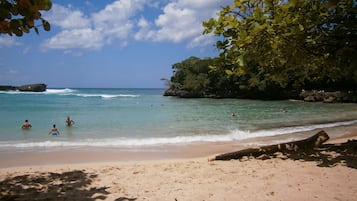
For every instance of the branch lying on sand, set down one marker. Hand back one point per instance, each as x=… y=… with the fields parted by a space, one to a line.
x=305 y=145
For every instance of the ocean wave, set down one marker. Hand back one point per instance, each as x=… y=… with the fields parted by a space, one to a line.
x=73 y=92
x=90 y=95
x=178 y=140
x=239 y=135
x=59 y=91
x=107 y=96
x=48 y=91
x=117 y=142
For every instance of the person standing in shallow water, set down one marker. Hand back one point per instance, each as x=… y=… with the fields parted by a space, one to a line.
x=54 y=131
x=69 y=121
x=26 y=125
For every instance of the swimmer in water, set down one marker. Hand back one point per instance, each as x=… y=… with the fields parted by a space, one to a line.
x=54 y=131
x=26 y=125
x=69 y=121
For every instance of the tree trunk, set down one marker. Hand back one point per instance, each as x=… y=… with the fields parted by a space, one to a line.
x=305 y=145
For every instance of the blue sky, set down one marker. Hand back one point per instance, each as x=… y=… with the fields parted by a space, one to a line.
x=108 y=43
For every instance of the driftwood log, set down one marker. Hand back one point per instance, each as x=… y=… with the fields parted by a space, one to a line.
x=305 y=145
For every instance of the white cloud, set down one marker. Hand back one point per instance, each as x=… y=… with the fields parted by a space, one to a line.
x=26 y=50
x=75 y=38
x=92 y=32
x=76 y=31
x=67 y=18
x=123 y=20
x=182 y=21
x=8 y=41
x=73 y=53
x=115 y=21
x=144 y=32
x=177 y=24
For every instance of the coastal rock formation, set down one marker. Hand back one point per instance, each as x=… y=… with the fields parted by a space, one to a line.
x=183 y=93
x=306 y=95
x=33 y=87
x=328 y=97
x=28 y=87
x=7 y=88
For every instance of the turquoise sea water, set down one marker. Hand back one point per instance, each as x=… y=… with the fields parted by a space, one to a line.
x=143 y=117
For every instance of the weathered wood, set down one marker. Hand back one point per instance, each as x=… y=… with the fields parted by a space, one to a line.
x=294 y=146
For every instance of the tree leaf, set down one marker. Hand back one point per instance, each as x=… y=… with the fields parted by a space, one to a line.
x=301 y=27
x=46 y=25
x=229 y=72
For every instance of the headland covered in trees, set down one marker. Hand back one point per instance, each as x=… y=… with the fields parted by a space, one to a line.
x=276 y=50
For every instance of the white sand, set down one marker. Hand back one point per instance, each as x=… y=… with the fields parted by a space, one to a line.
x=184 y=179
x=198 y=179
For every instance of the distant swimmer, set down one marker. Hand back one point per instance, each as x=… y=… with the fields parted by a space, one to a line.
x=69 y=121
x=233 y=114
x=26 y=125
x=54 y=131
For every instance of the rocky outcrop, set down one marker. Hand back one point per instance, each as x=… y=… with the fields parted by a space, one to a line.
x=28 y=87
x=183 y=93
x=32 y=87
x=7 y=88
x=328 y=97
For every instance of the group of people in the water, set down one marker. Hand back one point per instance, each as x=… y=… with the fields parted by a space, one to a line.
x=53 y=131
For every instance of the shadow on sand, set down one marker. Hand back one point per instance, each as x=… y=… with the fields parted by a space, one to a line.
x=329 y=155
x=73 y=185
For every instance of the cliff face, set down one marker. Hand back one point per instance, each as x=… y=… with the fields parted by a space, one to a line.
x=27 y=87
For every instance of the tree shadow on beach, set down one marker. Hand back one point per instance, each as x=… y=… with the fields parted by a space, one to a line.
x=73 y=185
x=329 y=155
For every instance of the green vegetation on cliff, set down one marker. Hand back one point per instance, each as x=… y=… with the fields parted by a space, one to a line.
x=268 y=47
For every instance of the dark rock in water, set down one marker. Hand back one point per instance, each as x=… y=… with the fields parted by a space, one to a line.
x=27 y=87
x=183 y=93
x=328 y=97
x=32 y=87
x=170 y=92
x=7 y=88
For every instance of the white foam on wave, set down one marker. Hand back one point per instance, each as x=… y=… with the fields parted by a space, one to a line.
x=48 y=91
x=73 y=92
x=238 y=135
x=87 y=95
x=137 y=142
x=107 y=96
x=59 y=91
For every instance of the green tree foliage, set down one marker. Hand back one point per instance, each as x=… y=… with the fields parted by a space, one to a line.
x=200 y=77
x=19 y=16
x=191 y=74
x=294 y=44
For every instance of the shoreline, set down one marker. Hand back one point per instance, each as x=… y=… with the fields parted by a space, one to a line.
x=187 y=176
x=77 y=155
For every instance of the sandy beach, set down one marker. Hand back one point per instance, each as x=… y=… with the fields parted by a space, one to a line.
x=326 y=175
